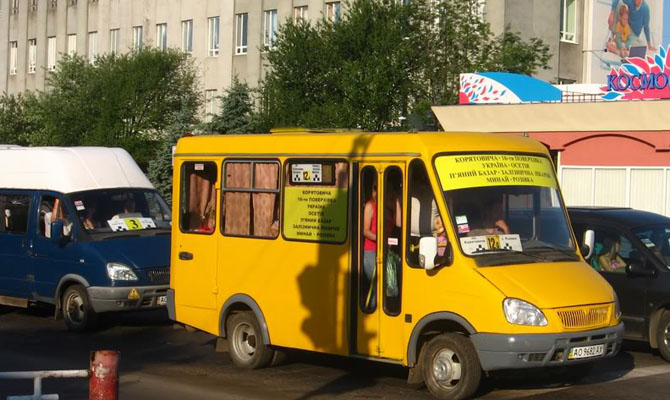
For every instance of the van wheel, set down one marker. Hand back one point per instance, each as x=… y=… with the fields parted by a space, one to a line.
x=451 y=368
x=245 y=342
x=77 y=311
x=663 y=335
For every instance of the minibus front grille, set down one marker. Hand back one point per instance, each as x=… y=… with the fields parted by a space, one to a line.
x=158 y=275
x=584 y=316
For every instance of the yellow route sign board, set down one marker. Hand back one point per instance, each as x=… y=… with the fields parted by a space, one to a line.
x=480 y=170
x=315 y=214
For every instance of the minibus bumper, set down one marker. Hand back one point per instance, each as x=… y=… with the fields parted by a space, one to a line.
x=105 y=299
x=501 y=351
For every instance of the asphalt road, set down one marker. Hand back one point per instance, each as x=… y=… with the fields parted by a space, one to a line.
x=164 y=361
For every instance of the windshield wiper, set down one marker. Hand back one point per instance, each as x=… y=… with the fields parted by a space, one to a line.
x=571 y=255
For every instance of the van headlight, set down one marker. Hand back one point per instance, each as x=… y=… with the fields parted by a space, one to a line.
x=617 y=307
x=520 y=312
x=120 y=272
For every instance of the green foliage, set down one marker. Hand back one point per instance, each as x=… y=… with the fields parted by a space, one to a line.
x=125 y=100
x=357 y=72
x=238 y=114
x=160 y=166
x=385 y=61
x=14 y=120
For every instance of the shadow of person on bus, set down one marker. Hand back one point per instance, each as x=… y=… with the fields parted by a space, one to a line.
x=328 y=289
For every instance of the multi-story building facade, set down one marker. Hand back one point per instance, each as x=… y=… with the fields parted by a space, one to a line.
x=227 y=38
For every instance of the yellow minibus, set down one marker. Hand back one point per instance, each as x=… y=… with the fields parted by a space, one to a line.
x=448 y=253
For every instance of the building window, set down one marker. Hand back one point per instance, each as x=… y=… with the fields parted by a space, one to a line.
x=241 y=23
x=137 y=38
x=213 y=36
x=51 y=53
x=251 y=198
x=211 y=104
x=300 y=13
x=15 y=7
x=72 y=2
x=32 y=56
x=114 y=41
x=161 y=36
x=33 y=5
x=92 y=47
x=72 y=44
x=568 y=20
x=187 y=36
x=333 y=11
x=269 y=28
x=13 y=57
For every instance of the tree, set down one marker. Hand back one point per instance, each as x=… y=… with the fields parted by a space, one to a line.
x=356 y=72
x=14 y=121
x=238 y=114
x=384 y=62
x=125 y=100
x=463 y=42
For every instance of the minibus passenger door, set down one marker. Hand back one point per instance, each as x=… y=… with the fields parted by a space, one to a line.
x=194 y=254
x=380 y=265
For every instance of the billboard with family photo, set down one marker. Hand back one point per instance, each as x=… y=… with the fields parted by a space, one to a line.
x=625 y=29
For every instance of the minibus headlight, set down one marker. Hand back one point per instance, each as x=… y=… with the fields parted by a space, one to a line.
x=520 y=312
x=617 y=307
x=120 y=272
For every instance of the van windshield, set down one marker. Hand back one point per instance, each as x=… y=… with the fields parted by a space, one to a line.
x=657 y=239
x=121 y=210
x=505 y=208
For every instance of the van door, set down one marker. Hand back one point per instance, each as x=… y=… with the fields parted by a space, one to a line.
x=50 y=261
x=15 y=248
x=194 y=260
x=379 y=294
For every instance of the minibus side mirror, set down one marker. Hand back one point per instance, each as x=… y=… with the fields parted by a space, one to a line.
x=587 y=246
x=427 y=252
x=57 y=235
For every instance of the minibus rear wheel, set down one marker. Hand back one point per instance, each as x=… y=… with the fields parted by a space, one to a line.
x=245 y=342
x=451 y=368
x=663 y=335
x=77 y=311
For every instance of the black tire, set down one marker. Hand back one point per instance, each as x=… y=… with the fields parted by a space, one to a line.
x=451 y=368
x=245 y=342
x=663 y=335
x=77 y=311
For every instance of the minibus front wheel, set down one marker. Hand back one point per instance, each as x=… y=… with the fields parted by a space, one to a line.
x=77 y=311
x=245 y=342
x=451 y=368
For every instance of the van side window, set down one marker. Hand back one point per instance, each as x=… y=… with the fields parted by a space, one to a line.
x=197 y=208
x=14 y=209
x=250 y=198
x=52 y=209
x=316 y=200
x=423 y=218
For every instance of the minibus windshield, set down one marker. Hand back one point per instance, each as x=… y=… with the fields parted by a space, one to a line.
x=657 y=239
x=505 y=208
x=121 y=210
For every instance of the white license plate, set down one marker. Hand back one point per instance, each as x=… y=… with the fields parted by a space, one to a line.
x=161 y=300
x=586 y=351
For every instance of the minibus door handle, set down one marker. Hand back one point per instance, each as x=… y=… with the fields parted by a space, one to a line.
x=185 y=255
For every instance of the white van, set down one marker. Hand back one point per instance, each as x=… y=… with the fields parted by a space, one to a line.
x=81 y=228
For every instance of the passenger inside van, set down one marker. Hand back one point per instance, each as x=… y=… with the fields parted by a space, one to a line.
x=52 y=210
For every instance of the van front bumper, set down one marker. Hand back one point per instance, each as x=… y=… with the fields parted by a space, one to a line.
x=105 y=299
x=500 y=351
